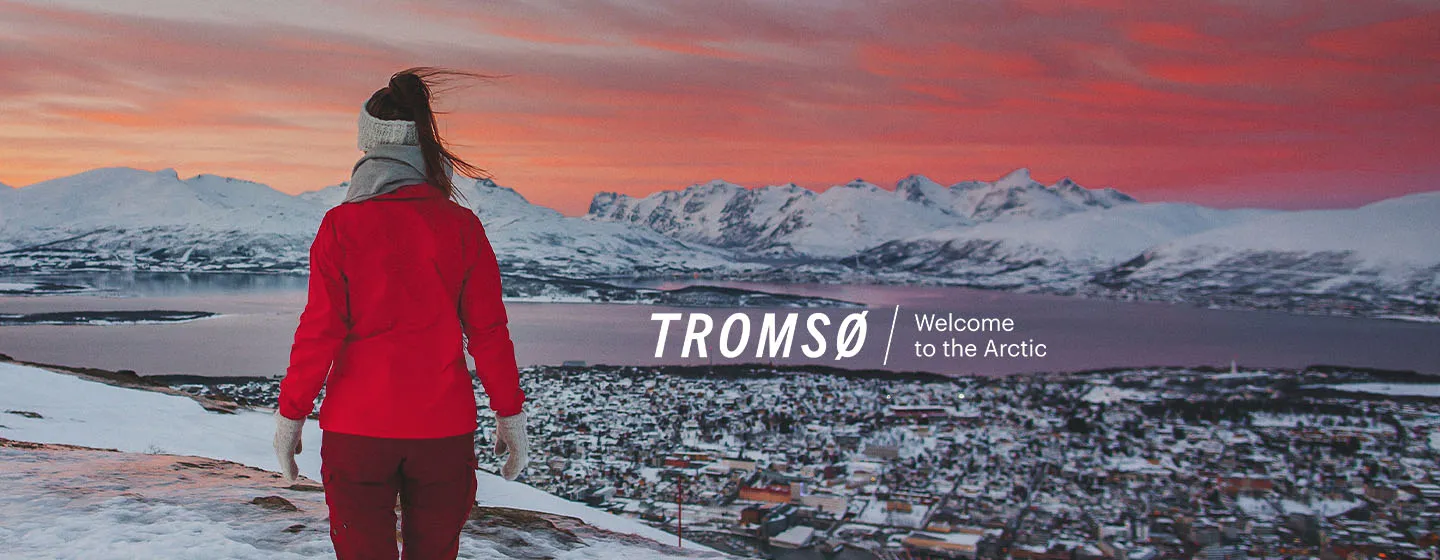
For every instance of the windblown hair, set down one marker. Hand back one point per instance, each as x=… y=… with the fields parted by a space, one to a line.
x=408 y=97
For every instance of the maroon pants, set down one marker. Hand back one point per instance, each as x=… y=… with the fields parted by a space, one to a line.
x=433 y=478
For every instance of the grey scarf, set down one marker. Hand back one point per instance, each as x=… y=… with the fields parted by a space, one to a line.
x=384 y=168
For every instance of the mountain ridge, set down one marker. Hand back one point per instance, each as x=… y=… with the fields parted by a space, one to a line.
x=1012 y=233
x=790 y=221
x=126 y=218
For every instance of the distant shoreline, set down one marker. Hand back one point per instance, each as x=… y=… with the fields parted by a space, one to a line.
x=125 y=376
x=524 y=286
x=105 y=318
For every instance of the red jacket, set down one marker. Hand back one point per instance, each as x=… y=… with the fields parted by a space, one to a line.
x=394 y=282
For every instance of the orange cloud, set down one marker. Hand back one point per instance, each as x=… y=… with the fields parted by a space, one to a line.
x=1409 y=40
x=945 y=61
x=692 y=48
x=1152 y=98
x=1280 y=72
x=1172 y=36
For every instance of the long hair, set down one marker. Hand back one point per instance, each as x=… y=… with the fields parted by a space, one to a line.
x=407 y=97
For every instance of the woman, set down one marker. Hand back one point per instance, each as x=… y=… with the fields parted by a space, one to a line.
x=398 y=273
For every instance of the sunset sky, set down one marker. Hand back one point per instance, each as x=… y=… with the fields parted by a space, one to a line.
x=1276 y=103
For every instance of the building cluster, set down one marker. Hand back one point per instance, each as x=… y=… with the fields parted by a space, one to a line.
x=1127 y=465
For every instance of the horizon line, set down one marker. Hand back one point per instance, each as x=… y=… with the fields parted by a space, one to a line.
x=882 y=186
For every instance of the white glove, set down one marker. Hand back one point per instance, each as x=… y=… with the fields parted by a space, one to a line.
x=510 y=437
x=287 y=444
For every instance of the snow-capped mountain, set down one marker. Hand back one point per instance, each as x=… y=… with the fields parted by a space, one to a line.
x=1391 y=247
x=133 y=219
x=789 y=221
x=539 y=239
x=124 y=198
x=1060 y=252
x=1015 y=195
x=1013 y=233
x=774 y=221
x=125 y=215
x=326 y=197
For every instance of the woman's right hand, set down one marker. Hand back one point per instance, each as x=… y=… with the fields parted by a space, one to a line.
x=287 y=444
x=510 y=437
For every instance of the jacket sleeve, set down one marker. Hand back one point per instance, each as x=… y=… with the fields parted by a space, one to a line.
x=324 y=324
x=482 y=315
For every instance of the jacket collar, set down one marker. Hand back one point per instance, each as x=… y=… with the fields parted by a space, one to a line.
x=417 y=190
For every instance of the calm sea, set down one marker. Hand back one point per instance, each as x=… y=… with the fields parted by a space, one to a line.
x=259 y=313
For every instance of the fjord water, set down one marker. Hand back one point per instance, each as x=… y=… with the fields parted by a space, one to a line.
x=252 y=335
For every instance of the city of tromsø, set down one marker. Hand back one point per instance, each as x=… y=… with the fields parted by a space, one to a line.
x=1135 y=464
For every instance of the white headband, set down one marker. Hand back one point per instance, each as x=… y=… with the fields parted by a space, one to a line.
x=375 y=131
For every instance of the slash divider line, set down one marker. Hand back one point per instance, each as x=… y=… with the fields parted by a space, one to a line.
x=891 y=338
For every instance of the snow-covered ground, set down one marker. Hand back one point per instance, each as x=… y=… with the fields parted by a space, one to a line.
x=42 y=406
x=62 y=503
x=877 y=512
x=1411 y=318
x=1112 y=394
x=83 y=503
x=1264 y=509
x=1327 y=421
x=38 y=288
x=1392 y=389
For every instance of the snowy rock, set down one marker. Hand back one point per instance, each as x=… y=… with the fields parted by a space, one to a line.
x=65 y=501
x=74 y=410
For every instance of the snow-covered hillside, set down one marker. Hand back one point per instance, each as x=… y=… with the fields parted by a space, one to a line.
x=1389 y=247
x=127 y=215
x=1063 y=251
x=120 y=218
x=788 y=221
x=326 y=197
x=131 y=198
x=65 y=502
x=42 y=406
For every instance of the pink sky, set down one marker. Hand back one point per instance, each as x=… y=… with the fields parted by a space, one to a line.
x=1290 y=104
